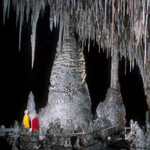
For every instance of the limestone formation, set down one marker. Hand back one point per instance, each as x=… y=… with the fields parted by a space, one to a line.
x=31 y=105
x=120 y=27
x=139 y=137
x=123 y=24
x=68 y=99
x=146 y=81
x=111 y=112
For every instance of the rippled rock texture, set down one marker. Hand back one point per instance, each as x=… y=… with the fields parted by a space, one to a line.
x=68 y=98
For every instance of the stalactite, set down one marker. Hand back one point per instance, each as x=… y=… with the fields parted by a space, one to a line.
x=60 y=31
x=105 y=9
x=97 y=20
x=35 y=16
x=6 y=5
x=112 y=21
x=51 y=19
x=27 y=10
x=17 y=13
x=21 y=23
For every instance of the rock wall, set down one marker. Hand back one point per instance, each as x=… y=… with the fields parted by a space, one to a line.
x=146 y=82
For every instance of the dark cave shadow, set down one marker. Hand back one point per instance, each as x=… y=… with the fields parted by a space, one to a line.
x=132 y=93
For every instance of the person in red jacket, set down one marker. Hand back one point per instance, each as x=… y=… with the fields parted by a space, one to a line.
x=35 y=123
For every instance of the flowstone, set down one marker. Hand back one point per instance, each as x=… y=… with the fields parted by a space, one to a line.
x=68 y=100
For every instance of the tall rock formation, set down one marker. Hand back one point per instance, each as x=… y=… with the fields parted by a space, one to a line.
x=112 y=112
x=68 y=99
x=31 y=105
x=146 y=83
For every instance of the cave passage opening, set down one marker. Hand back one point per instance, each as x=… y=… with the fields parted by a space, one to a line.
x=98 y=68
x=132 y=91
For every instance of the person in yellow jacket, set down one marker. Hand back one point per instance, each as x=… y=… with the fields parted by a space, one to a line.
x=26 y=119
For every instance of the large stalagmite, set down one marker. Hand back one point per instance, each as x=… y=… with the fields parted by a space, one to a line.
x=68 y=99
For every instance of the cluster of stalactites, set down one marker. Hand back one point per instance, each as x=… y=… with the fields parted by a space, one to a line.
x=123 y=23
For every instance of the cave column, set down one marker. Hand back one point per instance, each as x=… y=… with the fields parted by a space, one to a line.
x=114 y=69
x=112 y=108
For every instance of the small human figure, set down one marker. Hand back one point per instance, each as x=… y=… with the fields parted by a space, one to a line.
x=35 y=123
x=26 y=119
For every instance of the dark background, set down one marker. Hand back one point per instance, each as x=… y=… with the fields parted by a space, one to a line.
x=17 y=79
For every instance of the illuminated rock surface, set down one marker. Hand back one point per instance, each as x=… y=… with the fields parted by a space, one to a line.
x=139 y=137
x=112 y=24
x=111 y=111
x=119 y=27
x=31 y=105
x=68 y=99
